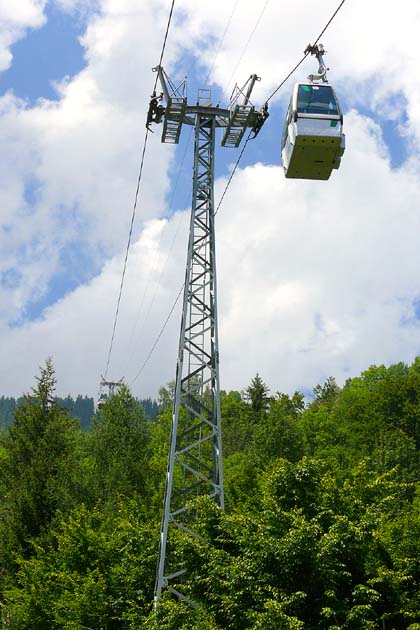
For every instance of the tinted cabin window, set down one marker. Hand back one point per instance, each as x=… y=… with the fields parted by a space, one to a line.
x=316 y=99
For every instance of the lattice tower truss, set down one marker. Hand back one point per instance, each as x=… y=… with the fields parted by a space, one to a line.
x=195 y=466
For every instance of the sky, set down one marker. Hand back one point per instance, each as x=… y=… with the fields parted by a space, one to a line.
x=315 y=279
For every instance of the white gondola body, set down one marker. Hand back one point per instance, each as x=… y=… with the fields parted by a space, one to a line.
x=102 y=399
x=313 y=141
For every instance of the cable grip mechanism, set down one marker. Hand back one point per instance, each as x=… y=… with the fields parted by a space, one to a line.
x=319 y=52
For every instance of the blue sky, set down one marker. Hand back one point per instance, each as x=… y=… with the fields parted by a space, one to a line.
x=45 y=55
x=72 y=129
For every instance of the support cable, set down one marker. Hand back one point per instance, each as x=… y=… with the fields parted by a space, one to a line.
x=165 y=39
x=130 y=233
x=241 y=56
x=222 y=39
x=233 y=172
x=328 y=23
x=132 y=345
x=154 y=297
x=306 y=52
x=158 y=337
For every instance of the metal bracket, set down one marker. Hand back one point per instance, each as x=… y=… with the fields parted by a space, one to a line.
x=319 y=52
x=174 y=110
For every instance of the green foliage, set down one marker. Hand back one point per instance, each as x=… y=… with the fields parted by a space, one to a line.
x=117 y=444
x=36 y=462
x=321 y=529
x=157 y=457
x=252 y=440
x=278 y=434
x=166 y=396
x=7 y=411
x=237 y=423
x=257 y=394
x=311 y=553
x=172 y=615
x=151 y=408
x=327 y=393
x=81 y=408
x=95 y=570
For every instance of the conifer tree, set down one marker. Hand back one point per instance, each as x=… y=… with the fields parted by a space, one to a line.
x=37 y=449
x=119 y=439
x=257 y=394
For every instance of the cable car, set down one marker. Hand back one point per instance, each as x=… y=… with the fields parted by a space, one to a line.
x=102 y=399
x=313 y=141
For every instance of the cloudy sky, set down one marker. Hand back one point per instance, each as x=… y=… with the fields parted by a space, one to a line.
x=315 y=278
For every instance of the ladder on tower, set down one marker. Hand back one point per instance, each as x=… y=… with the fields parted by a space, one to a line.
x=174 y=117
x=239 y=120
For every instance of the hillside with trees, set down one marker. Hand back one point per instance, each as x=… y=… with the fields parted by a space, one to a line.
x=321 y=529
x=81 y=407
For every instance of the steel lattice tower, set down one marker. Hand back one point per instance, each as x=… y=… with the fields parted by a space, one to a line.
x=195 y=464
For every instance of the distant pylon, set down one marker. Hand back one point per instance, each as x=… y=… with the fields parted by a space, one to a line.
x=112 y=386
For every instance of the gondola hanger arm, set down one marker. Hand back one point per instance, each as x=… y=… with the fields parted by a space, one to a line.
x=319 y=52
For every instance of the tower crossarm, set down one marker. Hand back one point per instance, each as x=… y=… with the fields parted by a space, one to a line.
x=174 y=111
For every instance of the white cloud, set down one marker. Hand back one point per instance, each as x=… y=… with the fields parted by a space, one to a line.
x=328 y=271
x=315 y=278
x=371 y=47
x=81 y=154
x=76 y=331
x=15 y=19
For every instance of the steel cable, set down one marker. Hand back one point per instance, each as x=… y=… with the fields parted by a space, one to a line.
x=135 y=204
x=130 y=233
x=233 y=173
x=222 y=39
x=306 y=53
x=241 y=56
x=158 y=337
x=131 y=343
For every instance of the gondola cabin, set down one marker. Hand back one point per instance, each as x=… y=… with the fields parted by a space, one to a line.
x=102 y=399
x=313 y=141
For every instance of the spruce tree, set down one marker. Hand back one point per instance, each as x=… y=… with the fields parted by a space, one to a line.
x=257 y=394
x=37 y=451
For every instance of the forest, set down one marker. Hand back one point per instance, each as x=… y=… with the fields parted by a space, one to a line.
x=321 y=529
x=81 y=407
